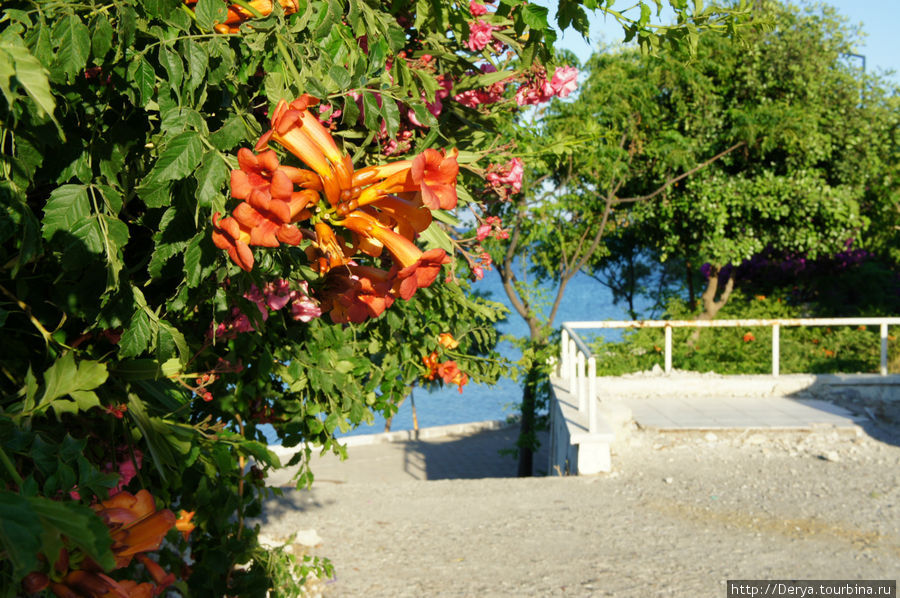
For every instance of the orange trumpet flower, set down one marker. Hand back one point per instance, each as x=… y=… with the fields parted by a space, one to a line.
x=238 y=14
x=301 y=133
x=449 y=372
x=446 y=340
x=229 y=235
x=135 y=524
x=183 y=524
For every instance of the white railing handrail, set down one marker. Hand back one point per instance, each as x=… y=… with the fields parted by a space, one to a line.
x=733 y=323
x=576 y=355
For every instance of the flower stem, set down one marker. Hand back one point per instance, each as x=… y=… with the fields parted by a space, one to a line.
x=11 y=468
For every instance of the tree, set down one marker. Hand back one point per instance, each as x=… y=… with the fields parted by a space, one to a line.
x=583 y=157
x=819 y=141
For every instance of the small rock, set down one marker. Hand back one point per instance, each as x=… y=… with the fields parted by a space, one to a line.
x=668 y=480
x=308 y=537
x=755 y=439
x=710 y=437
x=656 y=371
x=830 y=456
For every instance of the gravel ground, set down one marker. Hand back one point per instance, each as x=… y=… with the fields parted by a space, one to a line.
x=679 y=515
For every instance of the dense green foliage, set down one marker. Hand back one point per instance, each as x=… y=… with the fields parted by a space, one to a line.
x=813 y=160
x=120 y=124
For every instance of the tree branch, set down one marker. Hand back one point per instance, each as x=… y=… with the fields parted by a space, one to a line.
x=682 y=176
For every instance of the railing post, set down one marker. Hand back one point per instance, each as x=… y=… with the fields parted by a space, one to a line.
x=884 y=348
x=572 y=373
x=776 y=349
x=668 y=356
x=592 y=394
x=579 y=383
x=563 y=353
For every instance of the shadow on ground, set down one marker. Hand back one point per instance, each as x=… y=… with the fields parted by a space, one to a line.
x=292 y=502
x=874 y=403
x=485 y=454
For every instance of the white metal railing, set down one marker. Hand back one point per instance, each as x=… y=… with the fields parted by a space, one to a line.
x=575 y=354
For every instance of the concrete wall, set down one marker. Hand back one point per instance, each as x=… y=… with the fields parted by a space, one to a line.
x=821 y=386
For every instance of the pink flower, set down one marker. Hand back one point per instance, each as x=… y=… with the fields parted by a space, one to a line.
x=479 y=35
x=240 y=322
x=483 y=231
x=257 y=297
x=477 y=9
x=513 y=178
x=488 y=95
x=328 y=114
x=127 y=468
x=506 y=179
x=303 y=307
x=536 y=92
x=564 y=80
x=278 y=294
x=437 y=106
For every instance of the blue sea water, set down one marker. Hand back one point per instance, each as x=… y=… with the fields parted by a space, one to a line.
x=584 y=299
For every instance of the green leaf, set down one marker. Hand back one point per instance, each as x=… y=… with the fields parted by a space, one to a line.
x=138 y=369
x=535 y=16
x=340 y=76
x=155 y=194
x=7 y=71
x=210 y=12
x=645 y=15
x=435 y=236
x=141 y=73
x=85 y=399
x=68 y=205
x=101 y=40
x=157 y=8
x=179 y=158
x=136 y=338
x=391 y=114
x=350 y=114
x=424 y=116
x=171 y=340
x=161 y=256
x=74 y=41
x=371 y=109
x=159 y=451
x=65 y=377
x=20 y=532
x=231 y=133
x=79 y=524
x=212 y=175
x=30 y=74
x=261 y=453
x=197 y=61
x=174 y=67
x=199 y=260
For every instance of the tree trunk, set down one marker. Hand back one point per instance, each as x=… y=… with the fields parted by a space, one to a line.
x=527 y=442
x=711 y=305
x=692 y=295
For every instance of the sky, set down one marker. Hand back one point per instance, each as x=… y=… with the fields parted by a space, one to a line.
x=880 y=20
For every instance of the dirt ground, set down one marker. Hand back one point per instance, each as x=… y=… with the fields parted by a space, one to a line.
x=679 y=515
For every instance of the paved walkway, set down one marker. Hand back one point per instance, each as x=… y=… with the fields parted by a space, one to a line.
x=702 y=413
